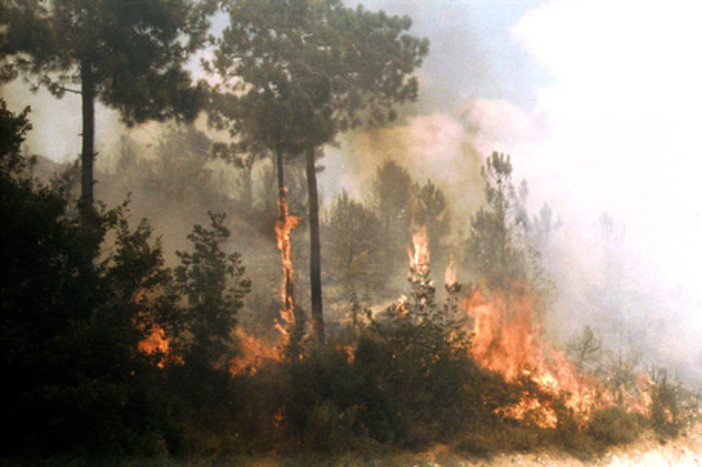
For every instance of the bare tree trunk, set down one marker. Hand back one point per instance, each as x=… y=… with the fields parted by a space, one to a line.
x=315 y=249
x=87 y=156
x=281 y=175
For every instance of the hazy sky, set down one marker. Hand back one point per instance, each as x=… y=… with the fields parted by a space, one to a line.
x=596 y=101
x=598 y=104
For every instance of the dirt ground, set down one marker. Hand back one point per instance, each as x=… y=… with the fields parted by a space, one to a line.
x=686 y=450
x=647 y=451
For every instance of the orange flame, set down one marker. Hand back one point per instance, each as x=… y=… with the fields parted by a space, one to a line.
x=419 y=252
x=504 y=343
x=156 y=341
x=506 y=339
x=252 y=354
x=284 y=225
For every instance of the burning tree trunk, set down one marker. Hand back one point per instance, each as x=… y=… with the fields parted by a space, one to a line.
x=284 y=225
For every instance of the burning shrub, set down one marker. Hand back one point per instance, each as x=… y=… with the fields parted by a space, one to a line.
x=419 y=355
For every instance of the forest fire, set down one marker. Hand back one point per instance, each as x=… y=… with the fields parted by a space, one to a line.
x=283 y=227
x=419 y=252
x=252 y=353
x=507 y=340
x=143 y=310
x=155 y=342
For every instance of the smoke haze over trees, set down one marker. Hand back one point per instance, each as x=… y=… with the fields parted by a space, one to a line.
x=155 y=329
x=129 y=57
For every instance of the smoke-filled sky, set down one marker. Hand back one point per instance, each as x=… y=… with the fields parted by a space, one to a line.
x=597 y=102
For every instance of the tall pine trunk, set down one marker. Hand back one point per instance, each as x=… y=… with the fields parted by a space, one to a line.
x=315 y=249
x=283 y=215
x=87 y=156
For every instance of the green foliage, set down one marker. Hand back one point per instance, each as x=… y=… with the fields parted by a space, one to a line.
x=353 y=235
x=391 y=198
x=420 y=353
x=78 y=303
x=613 y=425
x=136 y=50
x=73 y=316
x=500 y=249
x=310 y=69
x=666 y=416
x=295 y=74
x=179 y=170
x=405 y=379
x=13 y=130
x=130 y=54
x=494 y=249
x=213 y=283
x=430 y=209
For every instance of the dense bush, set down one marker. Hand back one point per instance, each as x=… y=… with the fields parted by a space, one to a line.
x=79 y=299
x=614 y=425
x=666 y=416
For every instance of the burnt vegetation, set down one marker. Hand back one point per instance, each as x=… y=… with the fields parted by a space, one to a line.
x=130 y=340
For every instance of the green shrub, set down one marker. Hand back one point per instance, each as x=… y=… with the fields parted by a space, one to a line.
x=665 y=412
x=613 y=425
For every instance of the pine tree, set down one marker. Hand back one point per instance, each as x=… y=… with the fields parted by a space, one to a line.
x=128 y=54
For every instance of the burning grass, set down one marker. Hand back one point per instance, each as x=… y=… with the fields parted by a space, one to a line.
x=508 y=339
x=474 y=374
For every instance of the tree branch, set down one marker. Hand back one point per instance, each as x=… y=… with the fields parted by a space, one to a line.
x=73 y=91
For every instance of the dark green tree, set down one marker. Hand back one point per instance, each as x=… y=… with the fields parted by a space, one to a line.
x=72 y=317
x=353 y=237
x=391 y=197
x=13 y=131
x=179 y=170
x=496 y=249
x=431 y=210
x=128 y=54
x=302 y=71
x=214 y=284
